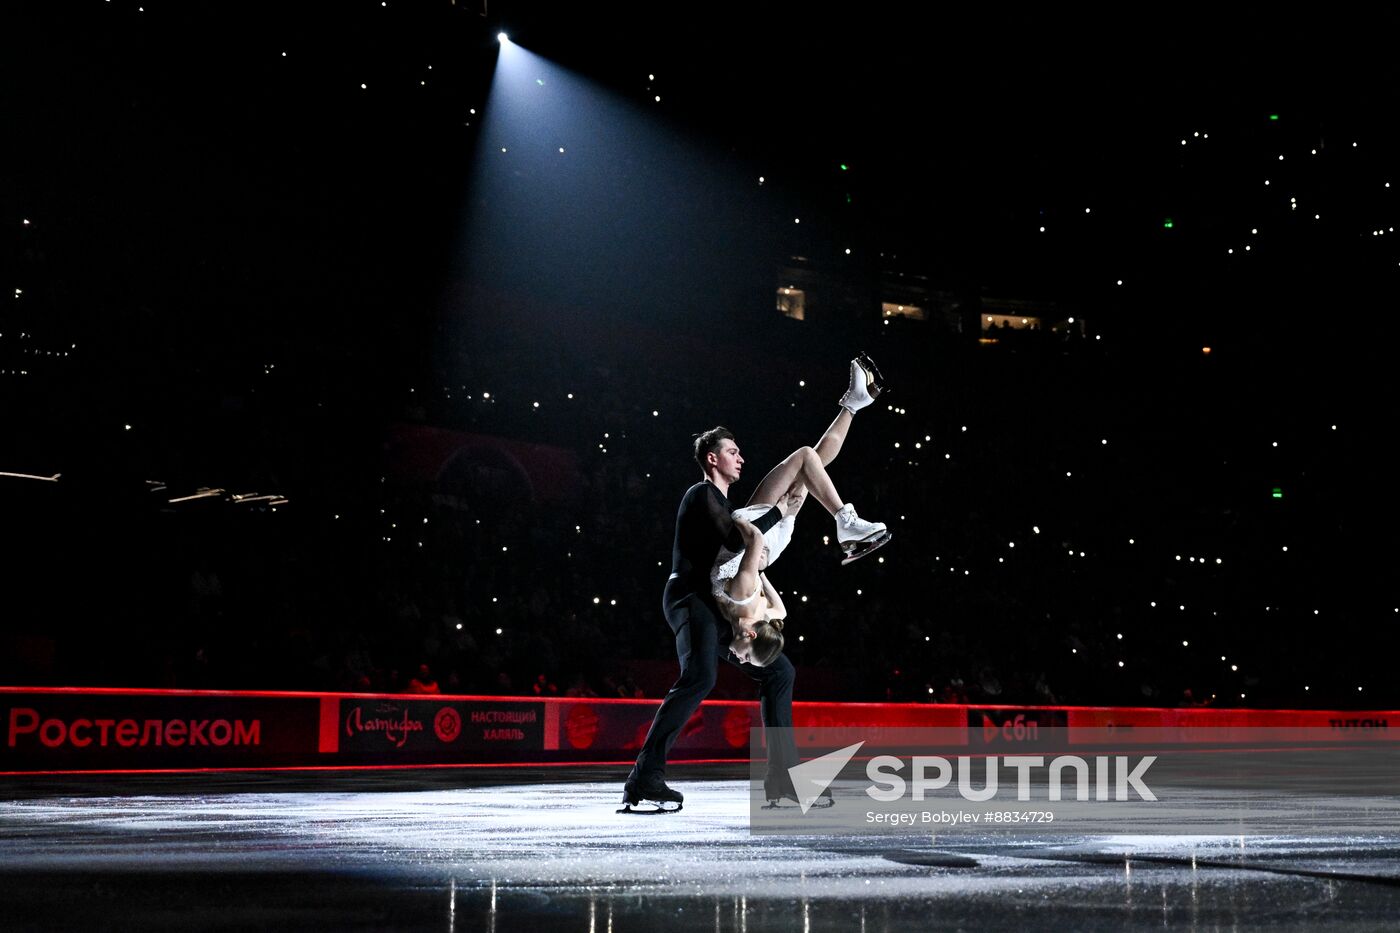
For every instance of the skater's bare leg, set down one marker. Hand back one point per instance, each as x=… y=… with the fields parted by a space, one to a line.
x=802 y=466
x=830 y=444
x=827 y=448
x=788 y=483
x=795 y=494
x=791 y=501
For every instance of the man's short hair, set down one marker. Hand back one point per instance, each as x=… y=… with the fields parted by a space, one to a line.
x=709 y=442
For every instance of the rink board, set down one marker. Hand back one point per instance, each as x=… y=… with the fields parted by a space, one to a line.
x=97 y=730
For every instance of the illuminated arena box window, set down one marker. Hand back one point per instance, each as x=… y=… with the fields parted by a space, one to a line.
x=1009 y=322
x=889 y=309
x=792 y=302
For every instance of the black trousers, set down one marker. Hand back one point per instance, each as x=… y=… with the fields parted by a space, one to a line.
x=698 y=626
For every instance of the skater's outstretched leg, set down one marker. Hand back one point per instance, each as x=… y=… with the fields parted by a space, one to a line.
x=801 y=467
x=804 y=467
x=804 y=470
x=864 y=387
x=830 y=444
x=834 y=437
x=827 y=448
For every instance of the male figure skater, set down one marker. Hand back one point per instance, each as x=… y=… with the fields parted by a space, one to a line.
x=704 y=524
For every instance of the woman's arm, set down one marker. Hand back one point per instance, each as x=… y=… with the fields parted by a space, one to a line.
x=745 y=582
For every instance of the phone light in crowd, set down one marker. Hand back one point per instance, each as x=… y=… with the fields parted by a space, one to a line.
x=502 y=38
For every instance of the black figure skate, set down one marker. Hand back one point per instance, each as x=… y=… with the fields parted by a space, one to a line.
x=653 y=790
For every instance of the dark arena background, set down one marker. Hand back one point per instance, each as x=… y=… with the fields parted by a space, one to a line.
x=350 y=360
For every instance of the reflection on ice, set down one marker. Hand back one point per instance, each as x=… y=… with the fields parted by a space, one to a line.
x=537 y=855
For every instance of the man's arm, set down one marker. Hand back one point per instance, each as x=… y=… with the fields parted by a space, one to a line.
x=721 y=518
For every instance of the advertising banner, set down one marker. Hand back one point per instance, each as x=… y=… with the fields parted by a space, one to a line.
x=104 y=729
x=99 y=731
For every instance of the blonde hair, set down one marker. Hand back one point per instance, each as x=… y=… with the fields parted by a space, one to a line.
x=767 y=641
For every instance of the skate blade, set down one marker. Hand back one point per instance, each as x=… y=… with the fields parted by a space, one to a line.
x=862 y=548
x=651 y=811
x=787 y=803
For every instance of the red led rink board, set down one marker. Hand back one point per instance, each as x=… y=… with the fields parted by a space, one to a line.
x=80 y=730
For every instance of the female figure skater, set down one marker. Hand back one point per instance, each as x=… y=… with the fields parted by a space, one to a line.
x=750 y=604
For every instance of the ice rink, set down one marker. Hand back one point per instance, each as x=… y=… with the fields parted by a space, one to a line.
x=543 y=850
